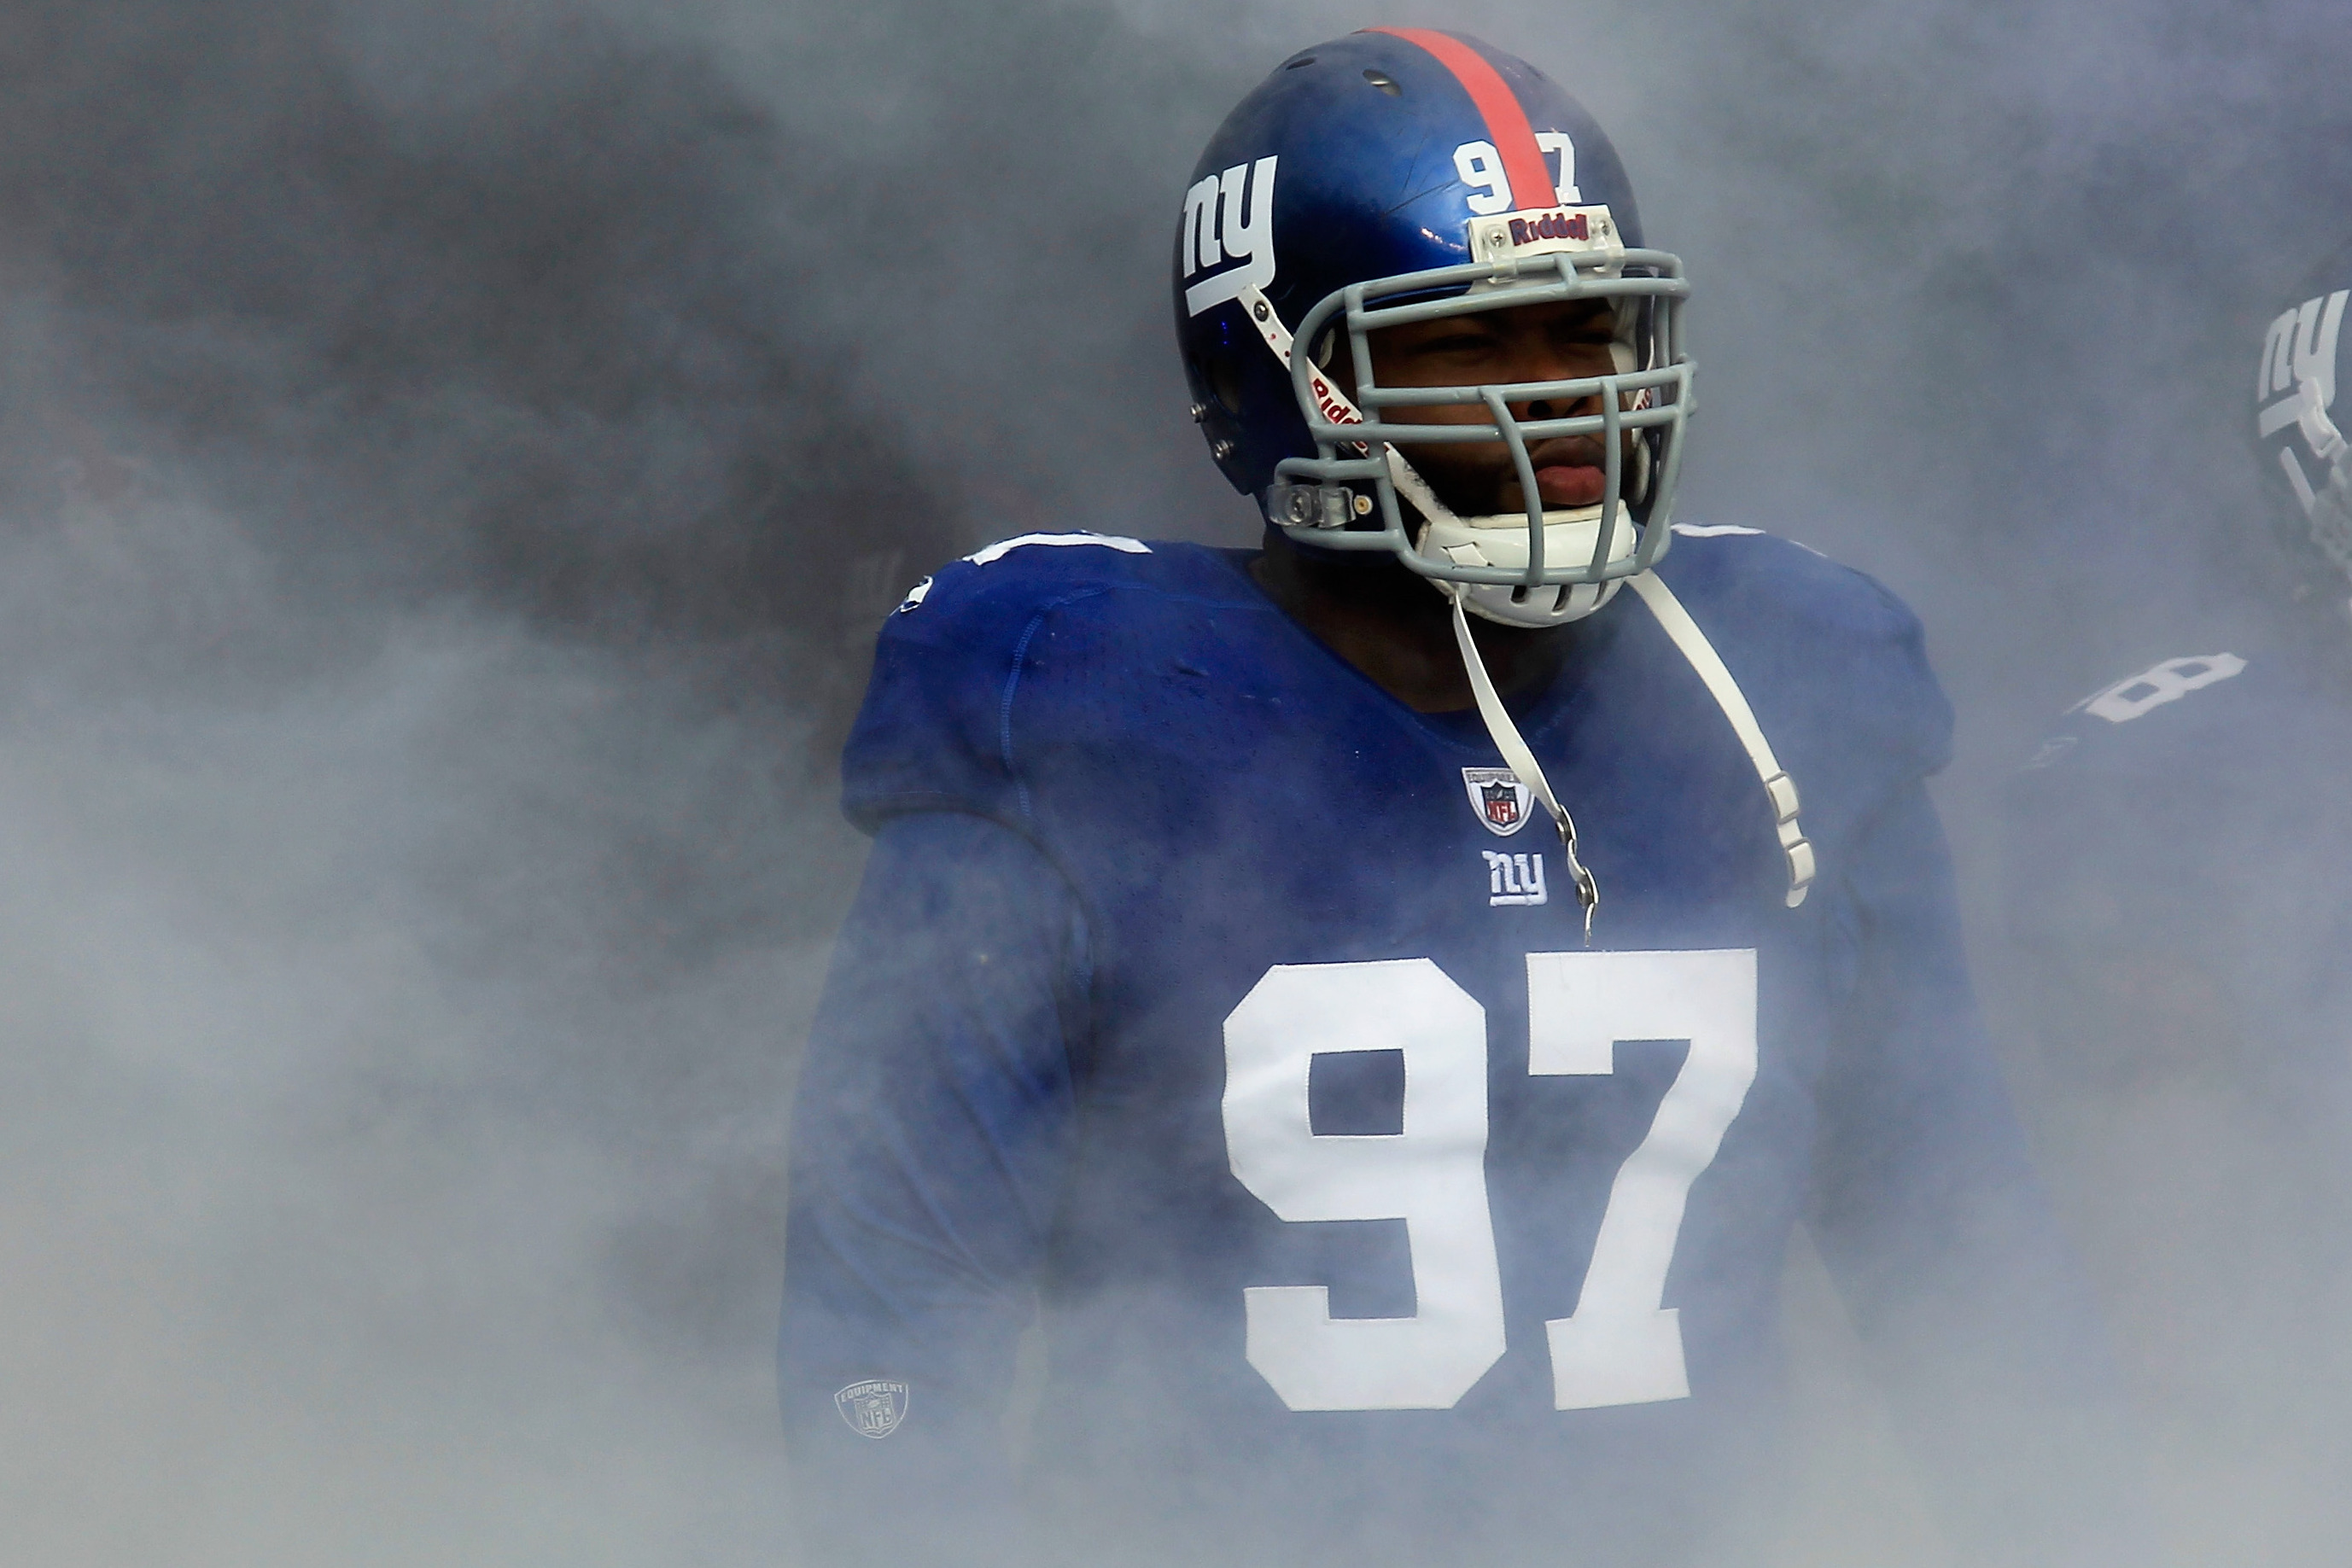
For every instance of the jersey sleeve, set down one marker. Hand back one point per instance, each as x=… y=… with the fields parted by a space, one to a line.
x=2108 y=905
x=930 y=1142
x=1927 y=1208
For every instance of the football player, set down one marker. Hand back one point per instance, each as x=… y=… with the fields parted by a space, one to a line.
x=1388 y=997
x=2177 y=903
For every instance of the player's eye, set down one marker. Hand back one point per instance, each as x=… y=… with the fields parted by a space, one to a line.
x=1458 y=342
x=1599 y=329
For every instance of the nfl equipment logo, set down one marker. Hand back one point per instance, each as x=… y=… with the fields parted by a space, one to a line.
x=873 y=1408
x=1498 y=799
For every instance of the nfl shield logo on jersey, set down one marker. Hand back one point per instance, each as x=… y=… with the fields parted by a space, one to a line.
x=1498 y=798
x=873 y=1408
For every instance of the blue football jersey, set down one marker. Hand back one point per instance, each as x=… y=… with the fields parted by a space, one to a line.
x=2179 y=852
x=1242 y=1020
x=2179 y=848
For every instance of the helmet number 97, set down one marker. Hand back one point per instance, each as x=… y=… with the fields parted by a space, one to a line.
x=1481 y=166
x=1619 y=1345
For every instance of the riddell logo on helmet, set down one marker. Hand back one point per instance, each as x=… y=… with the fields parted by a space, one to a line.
x=1228 y=217
x=1336 y=409
x=1540 y=231
x=1551 y=226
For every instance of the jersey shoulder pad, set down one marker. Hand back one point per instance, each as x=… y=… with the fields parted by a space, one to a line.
x=1811 y=594
x=2089 y=728
x=933 y=732
x=1826 y=653
x=1035 y=559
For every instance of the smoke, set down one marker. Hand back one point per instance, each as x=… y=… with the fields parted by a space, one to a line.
x=451 y=458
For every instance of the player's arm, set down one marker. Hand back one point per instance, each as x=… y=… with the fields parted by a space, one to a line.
x=929 y=1140
x=1928 y=1211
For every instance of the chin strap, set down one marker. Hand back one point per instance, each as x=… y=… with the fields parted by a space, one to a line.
x=1415 y=489
x=1522 y=761
x=1779 y=786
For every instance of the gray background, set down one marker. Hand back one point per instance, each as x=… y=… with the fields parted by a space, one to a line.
x=452 y=456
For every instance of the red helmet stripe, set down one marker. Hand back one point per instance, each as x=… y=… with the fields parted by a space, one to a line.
x=1507 y=122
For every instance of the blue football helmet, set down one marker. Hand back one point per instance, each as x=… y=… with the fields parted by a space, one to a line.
x=2305 y=456
x=1397 y=175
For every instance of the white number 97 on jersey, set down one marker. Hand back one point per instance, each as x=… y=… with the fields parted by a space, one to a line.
x=1619 y=1345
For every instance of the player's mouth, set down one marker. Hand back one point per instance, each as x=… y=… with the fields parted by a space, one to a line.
x=1568 y=472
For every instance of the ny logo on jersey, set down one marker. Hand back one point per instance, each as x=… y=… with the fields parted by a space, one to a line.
x=1514 y=879
x=1228 y=217
x=1500 y=801
x=873 y=1408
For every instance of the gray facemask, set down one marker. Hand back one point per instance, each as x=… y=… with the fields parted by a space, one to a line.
x=1538 y=567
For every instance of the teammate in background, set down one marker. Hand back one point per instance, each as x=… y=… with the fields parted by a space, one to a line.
x=1405 y=1174
x=2182 y=847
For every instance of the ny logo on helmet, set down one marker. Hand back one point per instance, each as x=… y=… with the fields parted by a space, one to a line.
x=1228 y=217
x=2298 y=367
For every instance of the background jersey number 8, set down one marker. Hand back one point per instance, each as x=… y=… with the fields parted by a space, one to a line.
x=1619 y=1345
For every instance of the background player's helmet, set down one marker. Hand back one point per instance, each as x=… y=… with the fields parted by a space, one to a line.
x=1387 y=177
x=2305 y=457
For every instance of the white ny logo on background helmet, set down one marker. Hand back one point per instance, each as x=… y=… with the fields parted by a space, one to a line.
x=2294 y=389
x=2296 y=383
